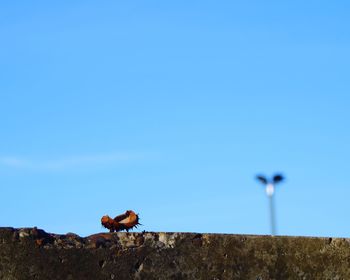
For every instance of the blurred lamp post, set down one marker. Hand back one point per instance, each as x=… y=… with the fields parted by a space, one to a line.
x=270 y=190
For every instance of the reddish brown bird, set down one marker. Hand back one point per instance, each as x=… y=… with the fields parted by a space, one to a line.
x=125 y=221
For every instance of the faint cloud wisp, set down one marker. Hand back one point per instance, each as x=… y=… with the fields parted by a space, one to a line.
x=69 y=161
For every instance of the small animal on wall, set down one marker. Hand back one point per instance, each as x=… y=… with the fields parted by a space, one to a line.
x=125 y=221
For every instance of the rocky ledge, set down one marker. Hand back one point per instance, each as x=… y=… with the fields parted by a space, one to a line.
x=31 y=253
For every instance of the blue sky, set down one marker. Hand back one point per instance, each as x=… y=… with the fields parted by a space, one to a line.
x=170 y=108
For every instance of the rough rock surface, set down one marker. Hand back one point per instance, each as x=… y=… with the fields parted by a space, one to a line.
x=31 y=253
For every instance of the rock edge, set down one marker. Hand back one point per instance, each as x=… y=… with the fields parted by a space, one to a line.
x=32 y=253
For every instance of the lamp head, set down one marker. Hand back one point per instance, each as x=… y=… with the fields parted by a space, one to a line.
x=262 y=179
x=277 y=178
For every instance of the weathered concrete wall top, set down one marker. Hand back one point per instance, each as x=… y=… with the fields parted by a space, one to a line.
x=34 y=254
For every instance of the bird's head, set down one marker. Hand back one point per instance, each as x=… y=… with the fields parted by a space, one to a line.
x=105 y=220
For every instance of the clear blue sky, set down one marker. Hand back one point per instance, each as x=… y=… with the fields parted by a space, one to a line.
x=170 y=108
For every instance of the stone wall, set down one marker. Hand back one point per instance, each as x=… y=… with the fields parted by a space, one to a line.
x=32 y=253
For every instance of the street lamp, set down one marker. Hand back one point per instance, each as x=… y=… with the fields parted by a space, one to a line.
x=270 y=190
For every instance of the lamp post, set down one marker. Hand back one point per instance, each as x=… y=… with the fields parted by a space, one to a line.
x=270 y=190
